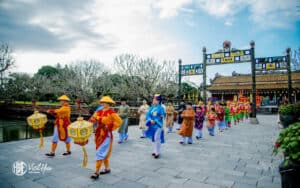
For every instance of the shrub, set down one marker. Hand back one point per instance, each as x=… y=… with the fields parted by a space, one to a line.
x=289 y=143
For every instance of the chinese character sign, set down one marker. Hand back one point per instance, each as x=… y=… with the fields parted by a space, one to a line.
x=192 y=69
x=270 y=63
x=235 y=56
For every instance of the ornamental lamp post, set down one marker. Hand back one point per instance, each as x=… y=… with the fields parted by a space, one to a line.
x=179 y=80
x=288 y=61
x=204 y=75
x=253 y=119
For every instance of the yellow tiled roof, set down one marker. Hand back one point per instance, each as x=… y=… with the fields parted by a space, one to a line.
x=267 y=81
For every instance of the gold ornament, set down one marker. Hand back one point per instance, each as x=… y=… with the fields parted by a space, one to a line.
x=37 y=121
x=81 y=131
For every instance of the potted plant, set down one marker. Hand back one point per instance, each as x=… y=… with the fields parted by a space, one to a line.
x=288 y=142
x=297 y=111
x=287 y=114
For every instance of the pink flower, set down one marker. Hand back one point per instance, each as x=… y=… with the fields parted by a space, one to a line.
x=277 y=145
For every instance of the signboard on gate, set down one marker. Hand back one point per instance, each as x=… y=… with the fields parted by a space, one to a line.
x=228 y=55
x=271 y=63
x=191 y=69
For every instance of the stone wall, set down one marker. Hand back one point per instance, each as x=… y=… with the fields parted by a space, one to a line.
x=22 y=111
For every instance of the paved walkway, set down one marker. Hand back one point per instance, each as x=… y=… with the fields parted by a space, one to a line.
x=238 y=157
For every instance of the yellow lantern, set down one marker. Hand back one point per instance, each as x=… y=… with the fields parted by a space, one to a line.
x=37 y=121
x=81 y=131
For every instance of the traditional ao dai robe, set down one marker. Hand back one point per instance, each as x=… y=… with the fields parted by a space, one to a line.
x=156 y=113
x=188 y=123
x=142 y=111
x=170 y=115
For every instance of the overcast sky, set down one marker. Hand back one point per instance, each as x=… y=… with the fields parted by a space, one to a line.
x=50 y=31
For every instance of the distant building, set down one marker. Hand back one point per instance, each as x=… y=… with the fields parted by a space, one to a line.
x=272 y=87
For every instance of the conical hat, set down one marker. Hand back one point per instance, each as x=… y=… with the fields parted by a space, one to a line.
x=107 y=99
x=63 y=98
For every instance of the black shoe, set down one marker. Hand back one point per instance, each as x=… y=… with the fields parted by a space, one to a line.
x=156 y=156
x=197 y=137
x=50 y=154
x=153 y=154
x=95 y=176
x=190 y=143
x=105 y=172
x=67 y=153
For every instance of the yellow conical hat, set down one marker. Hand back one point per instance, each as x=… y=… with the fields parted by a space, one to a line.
x=63 y=98
x=107 y=99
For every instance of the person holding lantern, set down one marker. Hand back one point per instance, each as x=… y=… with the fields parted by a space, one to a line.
x=108 y=120
x=62 y=121
x=154 y=122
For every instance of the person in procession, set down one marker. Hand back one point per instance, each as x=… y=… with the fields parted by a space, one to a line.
x=186 y=130
x=142 y=120
x=199 y=119
x=220 y=117
x=228 y=115
x=170 y=116
x=247 y=110
x=180 y=109
x=209 y=106
x=107 y=121
x=123 y=112
x=211 y=121
x=242 y=111
x=154 y=122
x=62 y=121
x=234 y=111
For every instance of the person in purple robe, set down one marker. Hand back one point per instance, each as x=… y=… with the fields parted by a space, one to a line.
x=199 y=119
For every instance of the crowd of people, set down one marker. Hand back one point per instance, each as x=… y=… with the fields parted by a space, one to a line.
x=153 y=121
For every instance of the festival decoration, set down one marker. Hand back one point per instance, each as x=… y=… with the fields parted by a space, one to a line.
x=81 y=131
x=37 y=121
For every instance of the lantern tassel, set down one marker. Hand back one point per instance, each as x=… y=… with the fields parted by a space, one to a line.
x=41 y=140
x=85 y=157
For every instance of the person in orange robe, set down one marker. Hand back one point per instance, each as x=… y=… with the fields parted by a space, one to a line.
x=170 y=116
x=211 y=121
x=108 y=120
x=62 y=121
x=187 y=125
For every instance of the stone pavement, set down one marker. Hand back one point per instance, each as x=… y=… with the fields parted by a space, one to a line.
x=238 y=157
